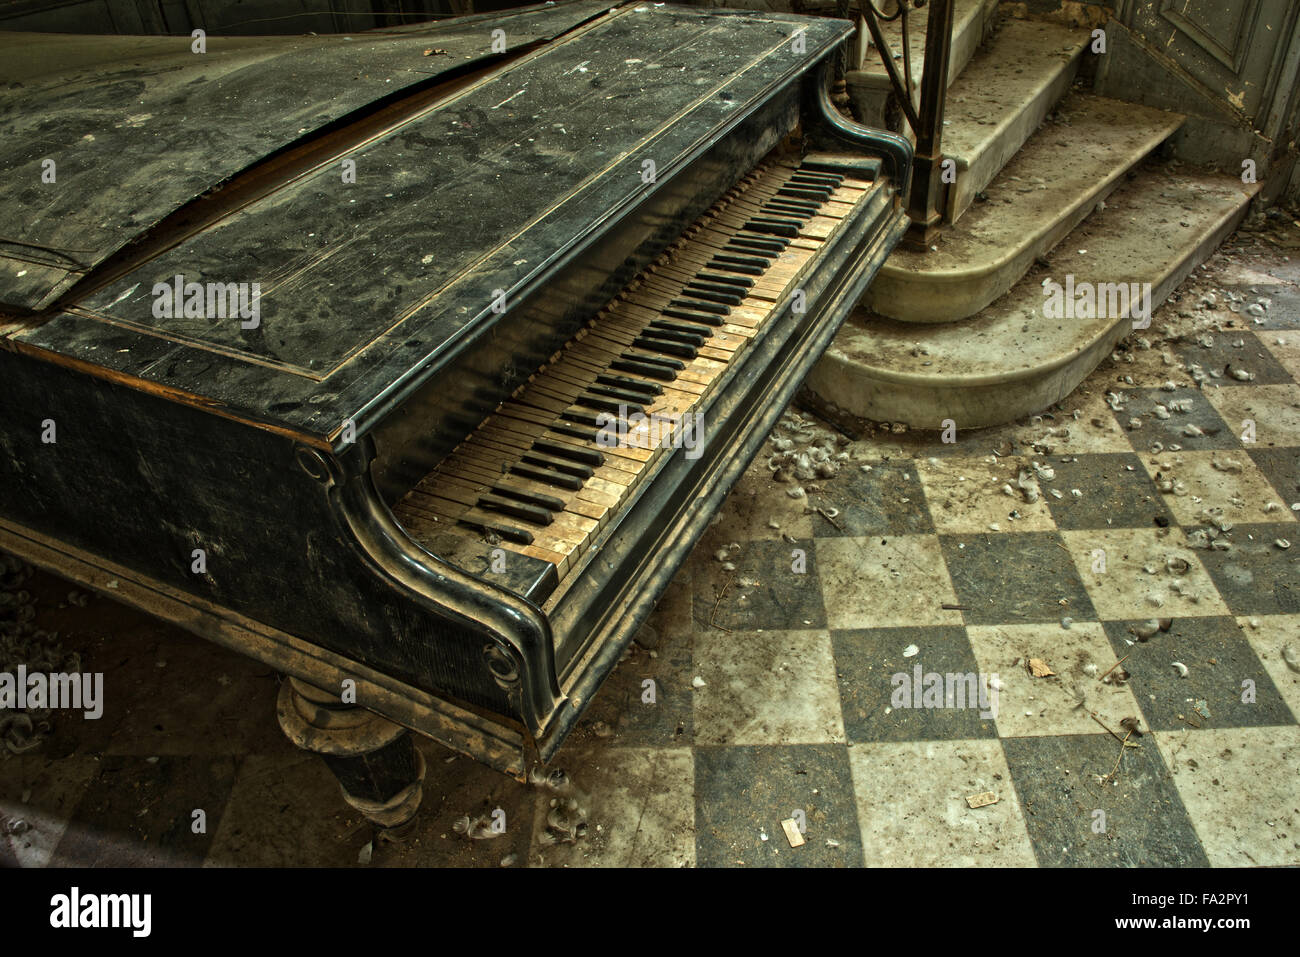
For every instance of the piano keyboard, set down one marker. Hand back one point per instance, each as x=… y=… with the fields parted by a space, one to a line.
x=535 y=477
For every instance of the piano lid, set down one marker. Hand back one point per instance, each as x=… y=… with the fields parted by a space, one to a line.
x=137 y=126
x=366 y=284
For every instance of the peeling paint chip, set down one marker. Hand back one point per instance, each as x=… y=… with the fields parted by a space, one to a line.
x=791 y=828
x=982 y=800
x=1039 y=669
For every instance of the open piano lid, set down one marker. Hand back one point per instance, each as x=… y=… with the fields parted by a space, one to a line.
x=366 y=286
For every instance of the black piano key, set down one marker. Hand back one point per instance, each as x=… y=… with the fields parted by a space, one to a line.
x=805 y=192
x=560 y=450
x=736 y=260
x=547 y=476
x=584 y=417
x=641 y=368
x=767 y=243
x=510 y=533
x=713 y=308
x=529 y=513
x=711 y=293
x=634 y=385
x=666 y=348
x=536 y=499
x=658 y=362
x=774 y=242
x=668 y=335
x=775 y=228
x=556 y=464
x=743 y=247
x=816 y=179
x=605 y=403
x=574 y=431
x=690 y=315
x=718 y=263
x=710 y=277
x=630 y=399
x=798 y=212
x=688 y=327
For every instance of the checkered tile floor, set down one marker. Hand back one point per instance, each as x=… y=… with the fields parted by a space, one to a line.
x=773 y=681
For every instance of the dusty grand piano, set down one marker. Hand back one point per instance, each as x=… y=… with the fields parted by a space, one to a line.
x=396 y=469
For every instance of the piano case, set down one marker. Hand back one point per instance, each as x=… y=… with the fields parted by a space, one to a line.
x=430 y=216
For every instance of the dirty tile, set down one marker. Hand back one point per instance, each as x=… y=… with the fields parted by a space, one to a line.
x=935 y=693
x=1058 y=704
x=457 y=787
x=1079 y=816
x=1015 y=578
x=1255 y=576
x=922 y=818
x=646 y=701
x=1233 y=350
x=884 y=582
x=138 y=812
x=886 y=500
x=1216 y=480
x=755 y=502
x=1285 y=348
x=1226 y=684
x=37 y=796
x=1115 y=491
x=965 y=495
x=1113 y=564
x=285 y=811
x=1270 y=636
x=743 y=794
x=1201 y=427
x=1281 y=466
x=1272 y=410
x=1239 y=787
x=773 y=582
x=765 y=687
x=1094 y=429
x=640 y=810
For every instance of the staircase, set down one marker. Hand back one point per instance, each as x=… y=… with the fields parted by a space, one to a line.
x=1051 y=181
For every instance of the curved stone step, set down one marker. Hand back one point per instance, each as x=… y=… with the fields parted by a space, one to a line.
x=869 y=85
x=1056 y=180
x=1002 y=97
x=1011 y=360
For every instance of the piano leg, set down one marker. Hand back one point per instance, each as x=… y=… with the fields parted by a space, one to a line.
x=376 y=762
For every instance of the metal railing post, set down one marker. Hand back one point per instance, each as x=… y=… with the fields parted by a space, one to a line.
x=927 y=200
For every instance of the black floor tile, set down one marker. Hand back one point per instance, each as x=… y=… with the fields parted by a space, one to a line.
x=1224 y=355
x=782 y=597
x=742 y=793
x=1283 y=310
x=867 y=662
x=139 y=812
x=1145 y=823
x=1013 y=579
x=1255 y=577
x=887 y=500
x=1281 y=466
x=1218 y=660
x=1117 y=492
x=1216 y=433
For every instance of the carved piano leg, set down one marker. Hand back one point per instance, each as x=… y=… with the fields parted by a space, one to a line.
x=379 y=769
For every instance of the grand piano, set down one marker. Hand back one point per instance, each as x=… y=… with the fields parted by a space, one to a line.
x=413 y=363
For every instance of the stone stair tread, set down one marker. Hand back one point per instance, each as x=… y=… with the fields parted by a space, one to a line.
x=968 y=20
x=1010 y=360
x=1055 y=180
x=1001 y=98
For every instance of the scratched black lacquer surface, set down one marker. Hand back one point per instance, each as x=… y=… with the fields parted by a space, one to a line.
x=368 y=285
